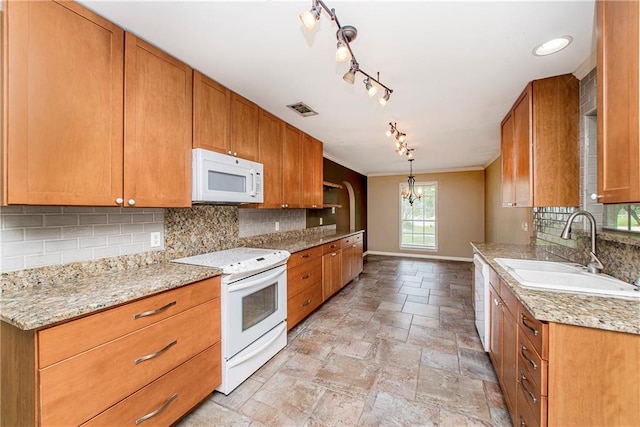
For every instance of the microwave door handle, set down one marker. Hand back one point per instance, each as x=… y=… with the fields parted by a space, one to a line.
x=255 y=184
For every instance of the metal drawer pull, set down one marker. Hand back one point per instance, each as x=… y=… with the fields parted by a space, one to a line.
x=306 y=303
x=306 y=276
x=497 y=303
x=333 y=254
x=156 y=354
x=523 y=352
x=522 y=423
x=152 y=312
x=524 y=322
x=155 y=412
x=523 y=379
x=306 y=256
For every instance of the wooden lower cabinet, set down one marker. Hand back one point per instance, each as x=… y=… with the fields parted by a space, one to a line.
x=352 y=264
x=331 y=269
x=128 y=371
x=304 y=284
x=554 y=374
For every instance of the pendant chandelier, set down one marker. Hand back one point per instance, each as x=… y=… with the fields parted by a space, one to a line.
x=410 y=193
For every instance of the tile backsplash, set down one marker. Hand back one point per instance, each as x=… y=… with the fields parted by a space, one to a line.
x=254 y=222
x=35 y=236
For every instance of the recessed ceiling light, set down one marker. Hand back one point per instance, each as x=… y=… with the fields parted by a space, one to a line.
x=552 y=46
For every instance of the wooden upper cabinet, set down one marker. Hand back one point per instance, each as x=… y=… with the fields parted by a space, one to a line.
x=211 y=114
x=311 y=172
x=292 y=178
x=158 y=127
x=618 y=41
x=540 y=157
x=64 y=107
x=270 y=155
x=244 y=128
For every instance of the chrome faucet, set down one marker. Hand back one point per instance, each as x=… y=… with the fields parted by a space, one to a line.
x=594 y=266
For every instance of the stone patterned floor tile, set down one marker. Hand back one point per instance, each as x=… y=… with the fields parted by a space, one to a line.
x=386 y=409
x=387 y=353
x=392 y=318
x=410 y=290
x=445 y=301
x=398 y=381
x=390 y=306
x=461 y=394
x=351 y=328
x=348 y=375
x=418 y=299
x=495 y=399
x=272 y=366
x=433 y=339
x=500 y=418
x=336 y=410
x=476 y=364
x=425 y=322
x=239 y=396
x=452 y=419
x=440 y=360
x=210 y=413
x=354 y=348
x=388 y=333
x=426 y=310
x=302 y=366
x=314 y=343
x=469 y=340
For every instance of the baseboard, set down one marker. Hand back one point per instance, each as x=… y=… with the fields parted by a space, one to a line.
x=406 y=255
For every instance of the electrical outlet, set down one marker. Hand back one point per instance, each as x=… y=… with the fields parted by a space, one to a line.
x=525 y=226
x=155 y=239
x=320 y=220
x=277 y=225
x=333 y=210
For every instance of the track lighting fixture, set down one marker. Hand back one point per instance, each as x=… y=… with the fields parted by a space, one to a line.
x=345 y=35
x=400 y=137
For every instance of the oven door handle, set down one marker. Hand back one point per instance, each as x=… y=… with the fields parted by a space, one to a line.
x=252 y=283
x=233 y=363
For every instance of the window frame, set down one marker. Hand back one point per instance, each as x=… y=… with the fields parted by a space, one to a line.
x=435 y=220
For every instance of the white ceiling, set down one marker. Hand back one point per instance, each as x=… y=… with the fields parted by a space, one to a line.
x=455 y=67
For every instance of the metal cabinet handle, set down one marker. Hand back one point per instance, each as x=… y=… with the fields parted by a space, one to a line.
x=522 y=423
x=496 y=302
x=333 y=246
x=156 y=354
x=155 y=412
x=306 y=276
x=333 y=254
x=154 y=311
x=119 y=200
x=595 y=196
x=523 y=320
x=306 y=303
x=523 y=380
x=523 y=352
x=305 y=256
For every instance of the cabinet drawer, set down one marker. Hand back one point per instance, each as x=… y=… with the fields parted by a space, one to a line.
x=535 y=331
x=303 y=304
x=357 y=238
x=191 y=382
x=526 y=417
x=301 y=257
x=68 y=339
x=346 y=242
x=510 y=300
x=331 y=247
x=533 y=366
x=529 y=396
x=78 y=388
x=303 y=276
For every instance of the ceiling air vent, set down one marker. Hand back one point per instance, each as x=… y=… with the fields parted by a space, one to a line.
x=303 y=109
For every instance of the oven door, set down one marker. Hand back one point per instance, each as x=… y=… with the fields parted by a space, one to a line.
x=252 y=307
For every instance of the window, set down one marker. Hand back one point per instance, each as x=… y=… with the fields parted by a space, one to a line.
x=622 y=217
x=418 y=222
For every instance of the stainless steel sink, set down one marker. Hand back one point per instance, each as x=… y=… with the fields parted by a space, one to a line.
x=565 y=277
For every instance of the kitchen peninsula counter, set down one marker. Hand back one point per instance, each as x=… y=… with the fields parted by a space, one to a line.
x=44 y=305
x=600 y=312
x=300 y=243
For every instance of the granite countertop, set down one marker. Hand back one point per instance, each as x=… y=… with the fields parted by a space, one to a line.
x=301 y=243
x=601 y=312
x=40 y=306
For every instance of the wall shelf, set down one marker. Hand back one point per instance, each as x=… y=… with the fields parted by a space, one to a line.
x=330 y=185
x=329 y=205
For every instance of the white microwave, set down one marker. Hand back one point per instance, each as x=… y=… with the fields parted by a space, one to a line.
x=222 y=179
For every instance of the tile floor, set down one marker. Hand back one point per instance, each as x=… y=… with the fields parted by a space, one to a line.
x=397 y=346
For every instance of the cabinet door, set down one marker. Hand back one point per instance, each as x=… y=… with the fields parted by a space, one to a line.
x=244 y=128
x=158 y=127
x=211 y=114
x=308 y=173
x=358 y=262
x=618 y=99
x=318 y=174
x=508 y=161
x=270 y=155
x=64 y=112
x=509 y=358
x=292 y=178
x=331 y=273
x=522 y=146
x=347 y=264
x=495 y=337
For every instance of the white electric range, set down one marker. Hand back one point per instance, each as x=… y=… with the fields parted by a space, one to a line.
x=253 y=305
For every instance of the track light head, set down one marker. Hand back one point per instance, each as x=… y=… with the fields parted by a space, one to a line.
x=309 y=17
x=383 y=99
x=402 y=137
x=350 y=76
x=389 y=133
x=371 y=89
x=342 y=52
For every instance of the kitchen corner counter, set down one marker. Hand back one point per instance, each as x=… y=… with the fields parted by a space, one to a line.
x=600 y=312
x=304 y=242
x=44 y=305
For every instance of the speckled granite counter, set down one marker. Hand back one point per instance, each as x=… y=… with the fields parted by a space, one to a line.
x=614 y=314
x=40 y=306
x=300 y=243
